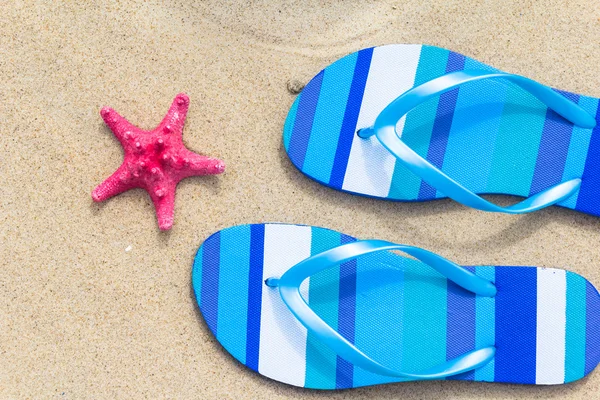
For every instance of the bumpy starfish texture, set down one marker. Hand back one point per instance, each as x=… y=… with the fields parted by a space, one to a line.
x=155 y=160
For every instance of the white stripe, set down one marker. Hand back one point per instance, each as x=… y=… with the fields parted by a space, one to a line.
x=392 y=72
x=551 y=326
x=282 y=351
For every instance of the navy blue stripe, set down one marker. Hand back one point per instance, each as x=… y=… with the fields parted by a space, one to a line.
x=255 y=284
x=442 y=125
x=348 y=129
x=344 y=373
x=516 y=327
x=553 y=150
x=460 y=334
x=589 y=193
x=309 y=98
x=592 y=328
x=211 y=254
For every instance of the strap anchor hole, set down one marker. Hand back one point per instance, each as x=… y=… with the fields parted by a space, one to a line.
x=272 y=282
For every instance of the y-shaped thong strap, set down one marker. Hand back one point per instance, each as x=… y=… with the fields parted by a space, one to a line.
x=289 y=289
x=385 y=130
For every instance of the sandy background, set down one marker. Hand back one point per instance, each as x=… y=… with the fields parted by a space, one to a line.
x=81 y=317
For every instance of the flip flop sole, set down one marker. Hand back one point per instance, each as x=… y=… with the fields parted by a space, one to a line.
x=491 y=136
x=544 y=323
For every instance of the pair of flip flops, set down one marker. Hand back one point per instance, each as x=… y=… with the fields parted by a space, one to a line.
x=316 y=308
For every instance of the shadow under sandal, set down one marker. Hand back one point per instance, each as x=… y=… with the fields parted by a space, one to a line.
x=416 y=123
x=315 y=308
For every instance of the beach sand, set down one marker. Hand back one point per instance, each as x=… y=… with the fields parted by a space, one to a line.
x=96 y=303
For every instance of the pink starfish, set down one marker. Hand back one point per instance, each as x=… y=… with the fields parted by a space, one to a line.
x=155 y=160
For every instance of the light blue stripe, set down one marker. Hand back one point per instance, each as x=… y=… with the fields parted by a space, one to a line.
x=517 y=143
x=575 y=334
x=474 y=128
x=288 y=127
x=578 y=150
x=379 y=313
x=425 y=315
x=485 y=324
x=323 y=299
x=197 y=276
x=233 y=290
x=329 y=116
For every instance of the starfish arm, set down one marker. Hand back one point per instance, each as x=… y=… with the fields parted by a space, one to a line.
x=163 y=197
x=155 y=160
x=117 y=183
x=196 y=164
x=120 y=127
x=175 y=118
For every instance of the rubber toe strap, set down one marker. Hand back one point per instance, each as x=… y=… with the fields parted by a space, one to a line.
x=289 y=289
x=385 y=131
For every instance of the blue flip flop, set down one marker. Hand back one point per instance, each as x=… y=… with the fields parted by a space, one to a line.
x=315 y=308
x=415 y=123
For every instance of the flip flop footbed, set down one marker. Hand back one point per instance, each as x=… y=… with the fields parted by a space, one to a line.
x=543 y=322
x=491 y=136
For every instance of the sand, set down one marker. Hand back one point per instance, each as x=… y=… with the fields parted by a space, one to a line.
x=95 y=302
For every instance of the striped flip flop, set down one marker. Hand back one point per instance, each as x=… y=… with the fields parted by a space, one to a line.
x=414 y=123
x=315 y=308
